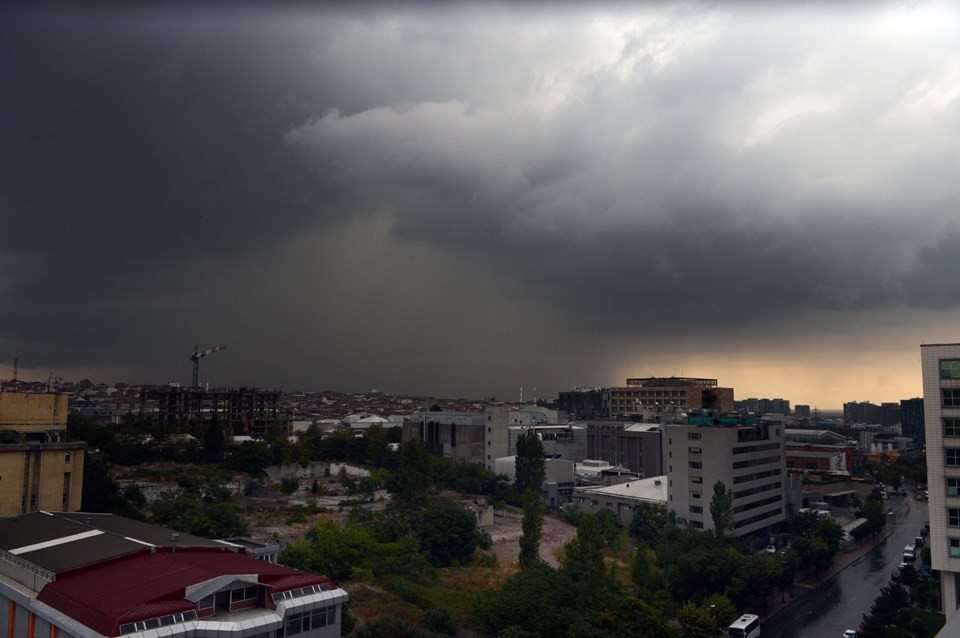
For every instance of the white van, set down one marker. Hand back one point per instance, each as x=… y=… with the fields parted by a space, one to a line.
x=909 y=553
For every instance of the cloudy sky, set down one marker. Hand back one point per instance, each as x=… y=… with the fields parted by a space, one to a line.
x=460 y=200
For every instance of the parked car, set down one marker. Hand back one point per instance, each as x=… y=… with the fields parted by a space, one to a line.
x=850 y=633
x=771 y=549
x=895 y=576
x=909 y=553
x=918 y=541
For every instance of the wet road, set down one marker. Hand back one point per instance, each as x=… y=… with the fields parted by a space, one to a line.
x=840 y=602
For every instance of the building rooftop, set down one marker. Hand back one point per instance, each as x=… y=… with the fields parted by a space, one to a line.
x=653 y=489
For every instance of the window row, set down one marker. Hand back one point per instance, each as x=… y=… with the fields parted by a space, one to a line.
x=155 y=623
x=308 y=620
x=303 y=591
x=756 y=448
x=767 y=460
x=746 y=478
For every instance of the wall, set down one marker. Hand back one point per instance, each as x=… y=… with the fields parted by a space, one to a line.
x=33 y=412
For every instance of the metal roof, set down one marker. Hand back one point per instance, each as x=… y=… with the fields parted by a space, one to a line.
x=143 y=585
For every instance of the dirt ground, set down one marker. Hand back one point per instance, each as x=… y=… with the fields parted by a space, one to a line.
x=506 y=532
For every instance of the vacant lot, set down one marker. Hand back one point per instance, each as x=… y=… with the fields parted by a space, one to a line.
x=506 y=532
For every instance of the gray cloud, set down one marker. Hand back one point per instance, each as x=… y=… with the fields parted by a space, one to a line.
x=410 y=187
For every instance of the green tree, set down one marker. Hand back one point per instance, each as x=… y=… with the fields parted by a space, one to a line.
x=695 y=622
x=532 y=529
x=530 y=463
x=448 y=534
x=721 y=509
x=721 y=610
x=583 y=558
x=100 y=492
x=214 y=443
x=414 y=479
x=539 y=600
x=650 y=521
x=252 y=457
x=876 y=518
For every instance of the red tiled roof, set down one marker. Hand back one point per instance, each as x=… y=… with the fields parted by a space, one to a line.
x=146 y=585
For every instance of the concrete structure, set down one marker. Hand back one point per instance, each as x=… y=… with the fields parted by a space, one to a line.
x=637 y=446
x=670 y=393
x=861 y=412
x=558 y=482
x=567 y=442
x=623 y=499
x=940 y=365
x=763 y=406
x=248 y=411
x=471 y=437
x=819 y=437
x=44 y=469
x=585 y=403
x=96 y=575
x=822 y=457
x=744 y=453
x=801 y=411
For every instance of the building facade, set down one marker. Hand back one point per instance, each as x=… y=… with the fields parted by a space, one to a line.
x=96 y=575
x=585 y=403
x=745 y=454
x=637 y=446
x=911 y=421
x=940 y=365
x=666 y=394
x=470 y=437
x=44 y=468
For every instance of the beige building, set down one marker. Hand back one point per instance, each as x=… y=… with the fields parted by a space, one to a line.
x=39 y=468
x=471 y=437
x=940 y=366
x=747 y=455
x=666 y=394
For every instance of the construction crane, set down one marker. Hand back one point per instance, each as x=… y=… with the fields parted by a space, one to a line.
x=196 y=356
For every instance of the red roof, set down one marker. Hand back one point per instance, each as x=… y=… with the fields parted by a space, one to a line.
x=147 y=585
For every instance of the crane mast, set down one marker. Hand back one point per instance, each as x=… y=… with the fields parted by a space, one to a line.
x=196 y=356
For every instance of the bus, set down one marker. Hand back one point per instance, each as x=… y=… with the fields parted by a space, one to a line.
x=746 y=626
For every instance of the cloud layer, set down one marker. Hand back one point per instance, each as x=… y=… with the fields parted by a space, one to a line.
x=379 y=195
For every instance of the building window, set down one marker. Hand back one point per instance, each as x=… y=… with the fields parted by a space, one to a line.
x=308 y=620
x=951 y=398
x=952 y=456
x=696 y=465
x=696 y=480
x=694 y=436
x=694 y=494
x=695 y=450
x=696 y=509
x=953 y=487
x=953 y=517
x=66 y=456
x=951 y=427
x=950 y=368
x=955 y=548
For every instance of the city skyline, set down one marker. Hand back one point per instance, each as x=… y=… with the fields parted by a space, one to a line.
x=469 y=199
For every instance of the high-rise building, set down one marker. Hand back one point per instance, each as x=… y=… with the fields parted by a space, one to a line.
x=940 y=365
x=911 y=420
x=801 y=411
x=861 y=412
x=745 y=453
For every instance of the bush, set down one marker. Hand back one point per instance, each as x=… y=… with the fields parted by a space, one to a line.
x=439 y=621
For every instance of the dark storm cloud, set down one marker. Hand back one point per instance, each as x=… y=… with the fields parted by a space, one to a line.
x=177 y=173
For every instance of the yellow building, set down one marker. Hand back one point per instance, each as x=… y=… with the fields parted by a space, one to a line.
x=39 y=468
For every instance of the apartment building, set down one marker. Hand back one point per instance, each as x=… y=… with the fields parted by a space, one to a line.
x=745 y=453
x=940 y=365
x=43 y=469
x=79 y=575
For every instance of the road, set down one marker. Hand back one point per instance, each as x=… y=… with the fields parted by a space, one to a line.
x=840 y=602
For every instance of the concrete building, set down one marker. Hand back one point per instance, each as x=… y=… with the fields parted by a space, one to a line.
x=247 y=411
x=669 y=393
x=745 y=453
x=623 y=499
x=763 y=406
x=558 y=482
x=44 y=469
x=801 y=411
x=911 y=421
x=567 y=442
x=861 y=412
x=637 y=446
x=470 y=437
x=940 y=365
x=585 y=403
x=96 y=575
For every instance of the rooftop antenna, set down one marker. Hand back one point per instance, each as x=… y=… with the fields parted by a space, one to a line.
x=16 y=364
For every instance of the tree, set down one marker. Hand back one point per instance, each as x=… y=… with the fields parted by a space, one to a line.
x=532 y=529
x=650 y=522
x=530 y=463
x=414 y=478
x=583 y=558
x=721 y=509
x=214 y=443
x=448 y=534
x=876 y=518
x=695 y=622
x=539 y=600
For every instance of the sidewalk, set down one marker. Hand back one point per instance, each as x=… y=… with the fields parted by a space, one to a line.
x=841 y=562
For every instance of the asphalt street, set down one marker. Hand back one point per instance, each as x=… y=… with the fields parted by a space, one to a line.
x=840 y=602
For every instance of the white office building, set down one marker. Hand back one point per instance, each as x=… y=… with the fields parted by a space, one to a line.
x=746 y=454
x=940 y=364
